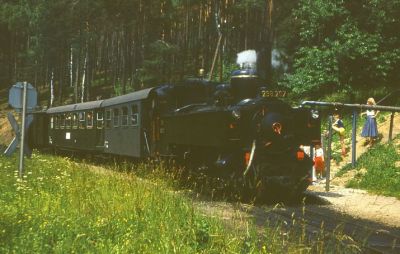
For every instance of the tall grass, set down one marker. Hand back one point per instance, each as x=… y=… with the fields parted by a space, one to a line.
x=381 y=173
x=61 y=206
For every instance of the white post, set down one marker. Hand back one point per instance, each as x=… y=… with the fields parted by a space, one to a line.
x=52 y=89
x=21 y=153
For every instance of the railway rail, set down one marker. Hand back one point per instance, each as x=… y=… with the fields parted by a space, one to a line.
x=372 y=237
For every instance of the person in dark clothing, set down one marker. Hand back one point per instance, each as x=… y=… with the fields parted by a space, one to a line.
x=338 y=126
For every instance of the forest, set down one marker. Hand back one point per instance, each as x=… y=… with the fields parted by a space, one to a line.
x=82 y=50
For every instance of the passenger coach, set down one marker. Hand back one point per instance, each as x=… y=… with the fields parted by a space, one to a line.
x=114 y=126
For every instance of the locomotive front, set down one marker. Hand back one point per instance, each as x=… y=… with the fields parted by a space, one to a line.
x=271 y=133
x=245 y=133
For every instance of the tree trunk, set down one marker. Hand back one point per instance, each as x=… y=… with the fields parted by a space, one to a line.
x=71 y=61
x=84 y=77
x=52 y=88
x=77 y=74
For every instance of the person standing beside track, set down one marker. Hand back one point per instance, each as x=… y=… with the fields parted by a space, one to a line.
x=370 y=129
x=338 y=126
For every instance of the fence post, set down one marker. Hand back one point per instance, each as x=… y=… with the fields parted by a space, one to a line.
x=328 y=159
x=312 y=158
x=354 y=139
x=391 y=127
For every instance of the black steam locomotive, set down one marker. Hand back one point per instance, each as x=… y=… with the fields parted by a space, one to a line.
x=238 y=130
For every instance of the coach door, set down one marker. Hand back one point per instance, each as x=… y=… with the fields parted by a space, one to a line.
x=154 y=127
x=99 y=128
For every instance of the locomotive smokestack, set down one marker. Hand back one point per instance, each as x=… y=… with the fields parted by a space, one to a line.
x=245 y=82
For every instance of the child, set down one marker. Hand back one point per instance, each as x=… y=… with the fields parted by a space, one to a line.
x=306 y=150
x=338 y=126
x=319 y=163
x=370 y=129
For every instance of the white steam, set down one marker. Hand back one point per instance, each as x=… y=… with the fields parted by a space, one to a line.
x=247 y=58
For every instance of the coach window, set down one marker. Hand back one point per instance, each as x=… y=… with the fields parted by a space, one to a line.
x=100 y=120
x=75 y=121
x=108 y=118
x=116 y=117
x=124 y=117
x=82 y=120
x=134 y=115
x=52 y=122
x=56 y=121
x=68 y=121
x=62 y=125
x=89 y=120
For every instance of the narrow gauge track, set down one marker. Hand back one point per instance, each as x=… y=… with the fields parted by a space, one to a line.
x=371 y=236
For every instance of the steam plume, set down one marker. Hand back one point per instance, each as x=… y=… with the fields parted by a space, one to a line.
x=247 y=58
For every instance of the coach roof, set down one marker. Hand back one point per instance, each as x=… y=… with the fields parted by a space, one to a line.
x=75 y=107
x=135 y=96
x=88 y=105
x=61 y=109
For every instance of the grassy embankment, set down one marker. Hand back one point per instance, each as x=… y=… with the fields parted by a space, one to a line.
x=63 y=206
x=378 y=170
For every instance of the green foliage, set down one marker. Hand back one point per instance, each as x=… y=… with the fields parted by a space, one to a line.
x=157 y=64
x=345 y=44
x=315 y=67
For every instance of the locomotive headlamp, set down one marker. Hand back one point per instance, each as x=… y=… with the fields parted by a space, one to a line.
x=277 y=128
x=314 y=113
x=236 y=114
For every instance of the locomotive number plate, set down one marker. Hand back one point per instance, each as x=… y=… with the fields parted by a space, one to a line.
x=274 y=93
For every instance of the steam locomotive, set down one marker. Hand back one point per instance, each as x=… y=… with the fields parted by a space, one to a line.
x=238 y=130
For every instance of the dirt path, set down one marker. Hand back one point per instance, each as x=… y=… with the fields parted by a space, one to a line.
x=359 y=203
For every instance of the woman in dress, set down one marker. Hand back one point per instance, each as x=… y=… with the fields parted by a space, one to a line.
x=370 y=129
